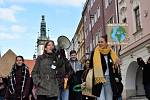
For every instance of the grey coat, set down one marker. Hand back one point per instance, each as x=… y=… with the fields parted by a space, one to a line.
x=44 y=75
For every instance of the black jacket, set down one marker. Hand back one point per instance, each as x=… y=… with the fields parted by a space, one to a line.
x=146 y=70
x=3 y=87
x=116 y=90
x=64 y=71
x=146 y=73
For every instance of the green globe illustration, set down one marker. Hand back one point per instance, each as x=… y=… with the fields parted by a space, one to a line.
x=118 y=34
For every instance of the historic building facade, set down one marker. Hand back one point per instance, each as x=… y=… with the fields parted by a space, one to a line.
x=97 y=14
x=136 y=14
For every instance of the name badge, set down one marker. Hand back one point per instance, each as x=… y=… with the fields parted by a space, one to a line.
x=110 y=60
x=78 y=69
x=53 y=67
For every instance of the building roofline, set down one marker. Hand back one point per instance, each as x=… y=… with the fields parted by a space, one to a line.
x=78 y=27
x=85 y=6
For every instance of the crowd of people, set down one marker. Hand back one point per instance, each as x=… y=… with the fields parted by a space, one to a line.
x=54 y=77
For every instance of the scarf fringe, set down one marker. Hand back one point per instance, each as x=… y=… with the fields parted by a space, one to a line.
x=99 y=80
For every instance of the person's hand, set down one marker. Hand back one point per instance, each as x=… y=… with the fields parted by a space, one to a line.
x=23 y=96
x=66 y=79
x=30 y=97
x=65 y=82
x=2 y=86
x=116 y=79
x=83 y=85
x=119 y=62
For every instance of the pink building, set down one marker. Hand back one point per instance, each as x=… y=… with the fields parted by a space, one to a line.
x=136 y=13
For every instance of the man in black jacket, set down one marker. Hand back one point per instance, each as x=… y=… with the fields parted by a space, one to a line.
x=146 y=73
x=75 y=80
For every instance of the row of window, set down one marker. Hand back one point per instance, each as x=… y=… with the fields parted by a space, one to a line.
x=81 y=35
x=107 y=3
x=94 y=42
x=97 y=13
x=137 y=18
x=81 y=52
x=93 y=19
x=110 y=21
x=92 y=2
x=95 y=16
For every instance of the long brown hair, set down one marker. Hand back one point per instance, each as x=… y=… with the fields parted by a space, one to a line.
x=45 y=46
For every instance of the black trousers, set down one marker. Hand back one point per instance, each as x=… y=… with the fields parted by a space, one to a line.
x=87 y=98
x=74 y=95
x=15 y=98
x=147 y=90
x=44 y=97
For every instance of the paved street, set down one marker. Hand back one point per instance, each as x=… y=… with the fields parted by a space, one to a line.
x=138 y=98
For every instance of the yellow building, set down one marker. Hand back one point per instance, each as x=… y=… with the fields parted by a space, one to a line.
x=80 y=41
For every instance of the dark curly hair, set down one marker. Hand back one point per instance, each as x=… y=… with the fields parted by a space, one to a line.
x=19 y=57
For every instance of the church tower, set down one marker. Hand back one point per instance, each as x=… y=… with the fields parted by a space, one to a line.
x=42 y=38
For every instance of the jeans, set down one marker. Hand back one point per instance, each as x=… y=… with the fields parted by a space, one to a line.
x=120 y=98
x=106 y=91
x=63 y=94
x=1 y=98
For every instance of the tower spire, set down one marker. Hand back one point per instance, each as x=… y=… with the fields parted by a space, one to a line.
x=43 y=27
x=43 y=38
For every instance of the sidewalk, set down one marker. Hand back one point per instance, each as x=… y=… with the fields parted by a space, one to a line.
x=138 y=98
